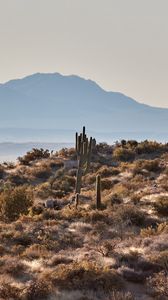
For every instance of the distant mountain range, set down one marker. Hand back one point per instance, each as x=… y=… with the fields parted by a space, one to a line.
x=50 y=107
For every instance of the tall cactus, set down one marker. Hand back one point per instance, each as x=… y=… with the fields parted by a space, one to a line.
x=83 y=151
x=98 y=192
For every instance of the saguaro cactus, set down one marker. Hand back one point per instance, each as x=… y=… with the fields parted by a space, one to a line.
x=83 y=151
x=98 y=192
x=76 y=200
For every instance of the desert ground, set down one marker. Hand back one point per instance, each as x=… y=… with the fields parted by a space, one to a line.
x=52 y=248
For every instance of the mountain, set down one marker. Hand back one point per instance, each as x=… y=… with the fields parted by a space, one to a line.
x=42 y=103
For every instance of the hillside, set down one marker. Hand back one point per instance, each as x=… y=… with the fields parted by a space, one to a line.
x=54 y=101
x=51 y=249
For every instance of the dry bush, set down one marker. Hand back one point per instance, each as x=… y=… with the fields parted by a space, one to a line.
x=12 y=266
x=65 y=183
x=38 y=290
x=123 y=154
x=93 y=216
x=42 y=172
x=8 y=291
x=106 y=184
x=158 y=284
x=2 y=171
x=149 y=165
x=113 y=198
x=32 y=155
x=121 y=190
x=161 y=259
x=55 y=163
x=148 y=147
x=86 y=275
x=35 y=251
x=89 y=179
x=67 y=153
x=22 y=238
x=130 y=214
x=2 y=250
x=122 y=296
x=15 y=202
x=59 y=259
x=161 y=205
x=17 y=179
x=149 y=231
x=108 y=171
x=43 y=190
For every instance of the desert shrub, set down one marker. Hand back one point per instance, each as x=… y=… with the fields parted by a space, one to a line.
x=94 y=216
x=108 y=171
x=8 y=291
x=36 y=209
x=17 y=179
x=129 y=259
x=149 y=165
x=2 y=171
x=86 y=275
x=15 y=202
x=67 y=153
x=59 y=259
x=106 y=184
x=65 y=183
x=23 y=239
x=113 y=198
x=135 y=198
x=13 y=267
x=33 y=155
x=148 y=147
x=121 y=190
x=161 y=259
x=130 y=214
x=123 y=154
x=161 y=205
x=72 y=172
x=43 y=190
x=104 y=148
x=55 y=164
x=149 y=231
x=35 y=251
x=132 y=144
x=39 y=290
x=89 y=179
x=42 y=172
x=122 y=296
x=158 y=284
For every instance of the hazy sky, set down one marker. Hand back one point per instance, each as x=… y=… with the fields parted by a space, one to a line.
x=121 y=44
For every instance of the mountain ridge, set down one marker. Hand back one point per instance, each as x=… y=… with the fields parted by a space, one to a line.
x=55 y=101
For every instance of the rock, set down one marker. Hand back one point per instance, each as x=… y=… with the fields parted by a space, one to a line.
x=49 y=203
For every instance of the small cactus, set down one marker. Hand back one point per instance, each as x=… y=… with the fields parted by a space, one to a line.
x=98 y=192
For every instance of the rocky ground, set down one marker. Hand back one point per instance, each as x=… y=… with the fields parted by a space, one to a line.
x=49 y=249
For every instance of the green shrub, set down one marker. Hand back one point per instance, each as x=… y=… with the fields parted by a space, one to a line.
x=14 y=202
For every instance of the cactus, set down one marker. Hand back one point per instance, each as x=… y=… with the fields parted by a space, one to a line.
x=98 y=192
x=76 y=200
x=83 y=151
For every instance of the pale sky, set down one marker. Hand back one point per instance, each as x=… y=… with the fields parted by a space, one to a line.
x=120 y=44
